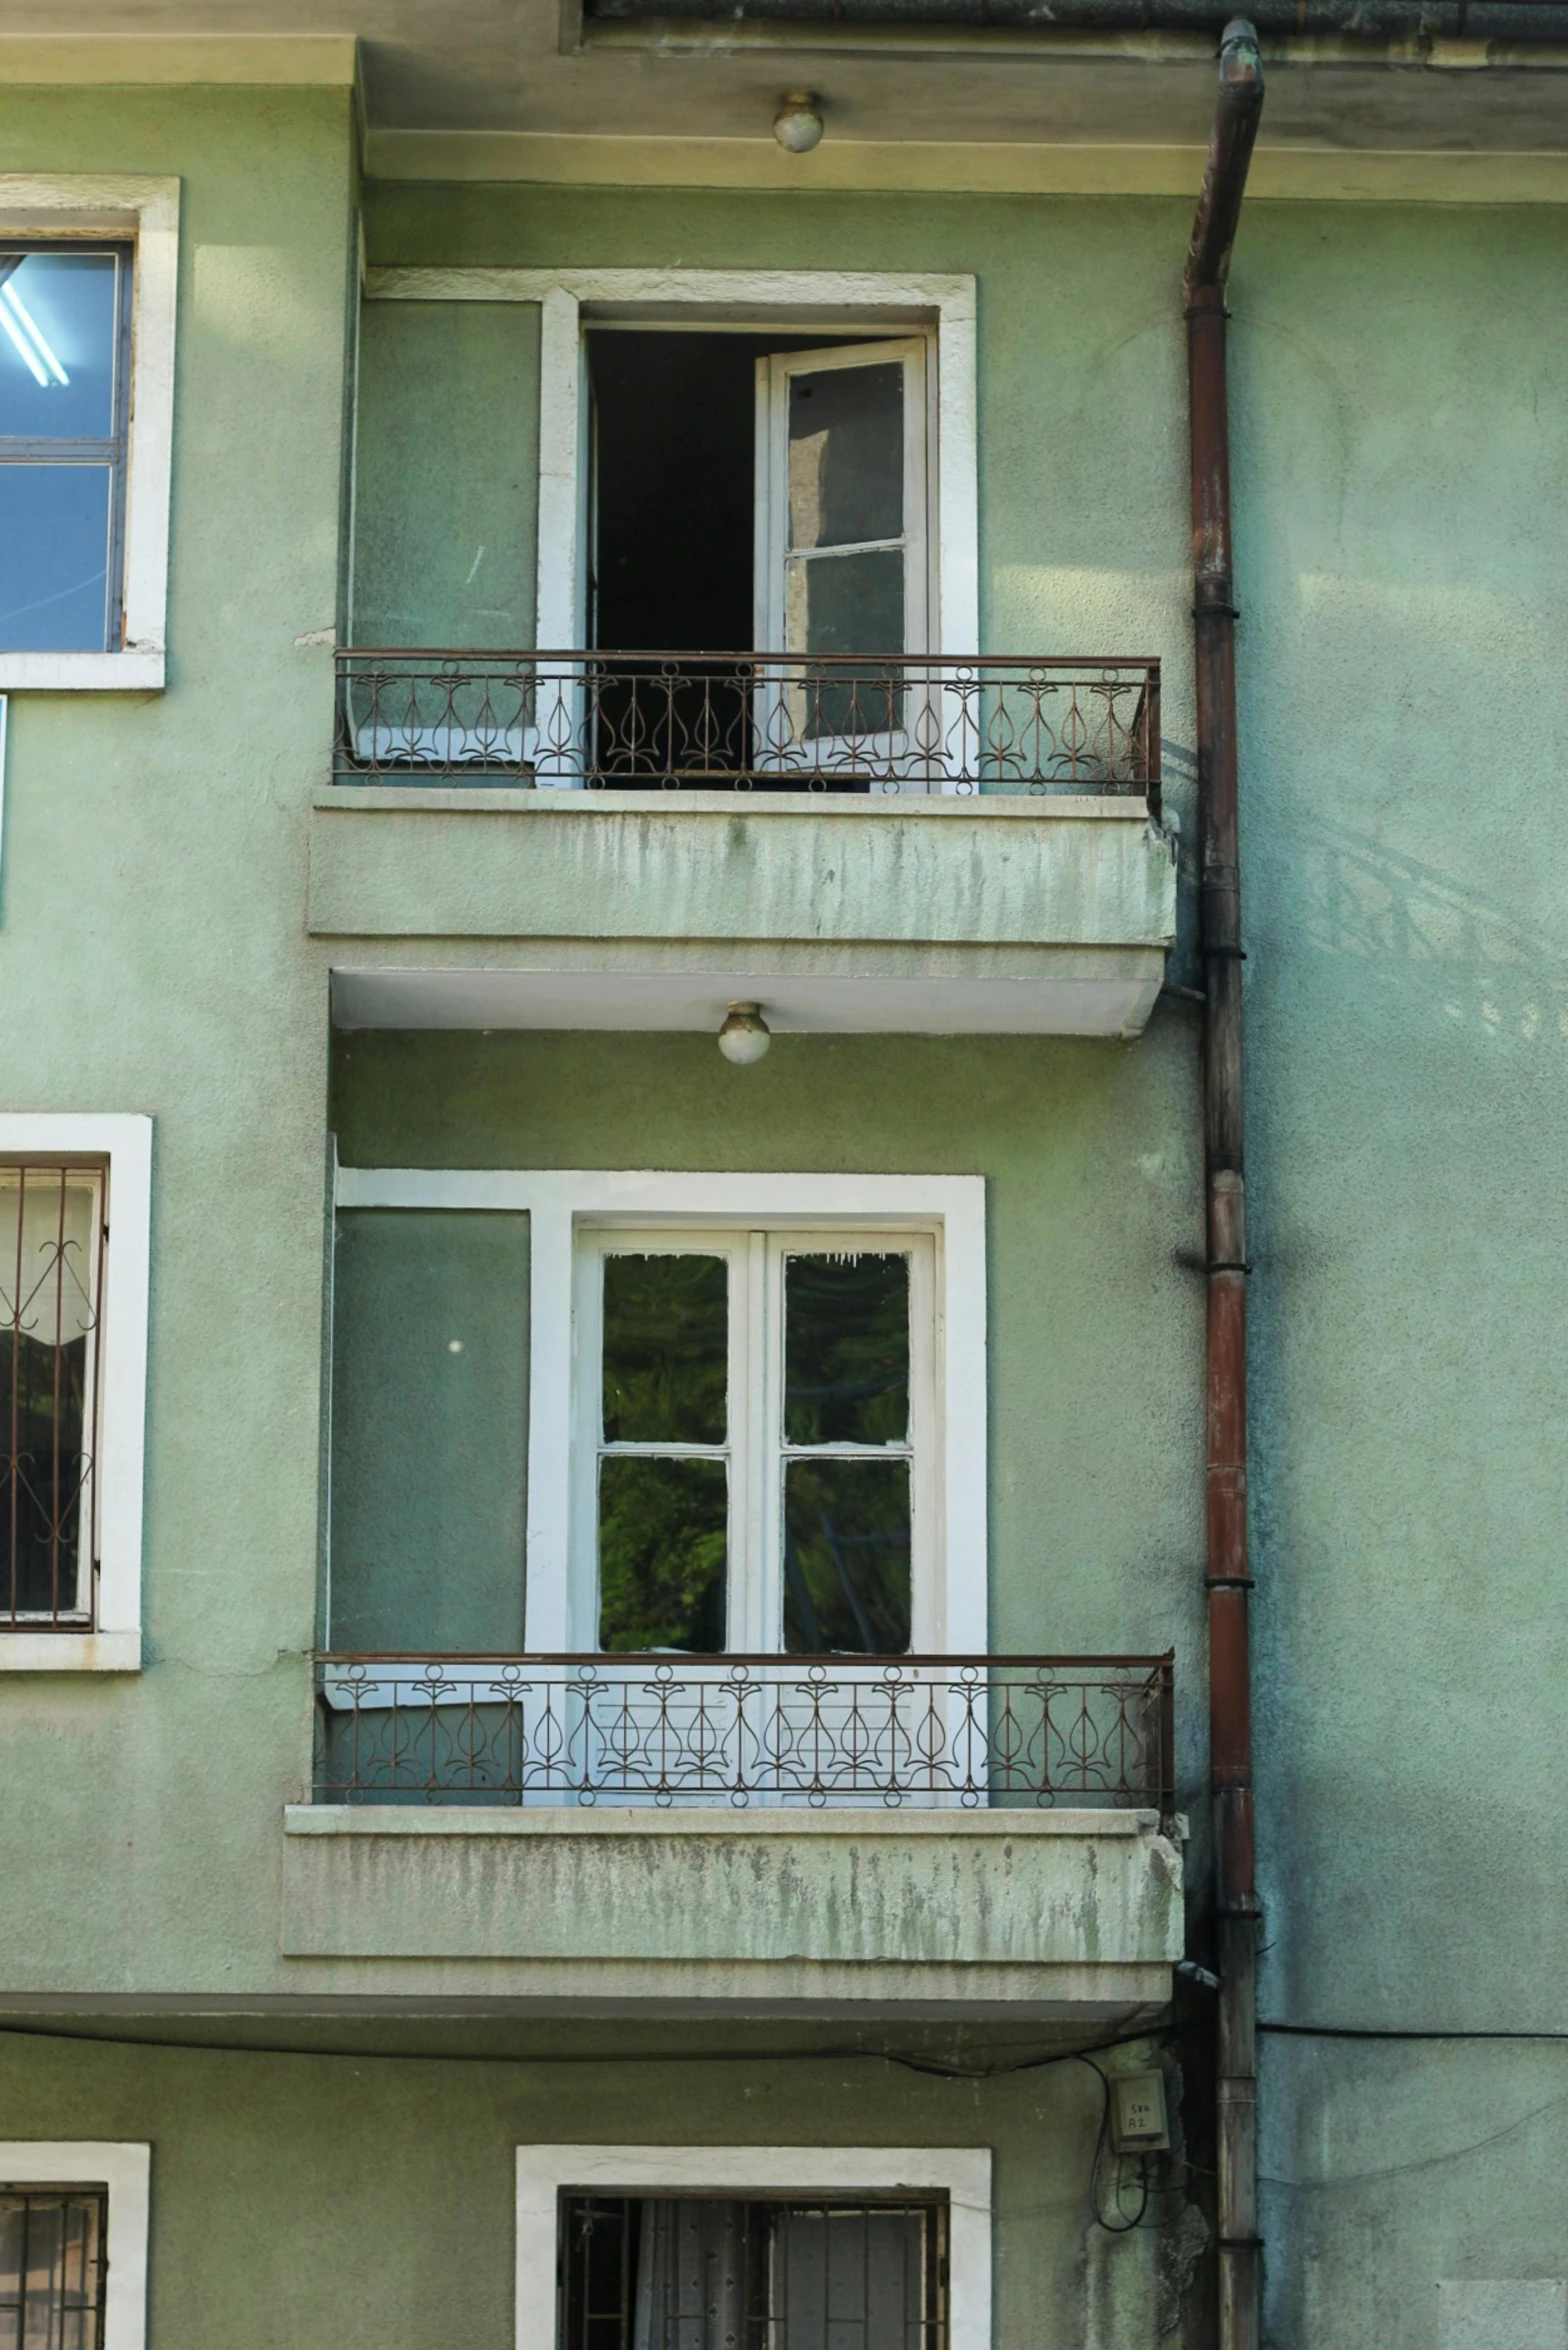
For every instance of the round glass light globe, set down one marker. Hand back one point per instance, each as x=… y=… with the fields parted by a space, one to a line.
x=797 y=126
x=745 y=1036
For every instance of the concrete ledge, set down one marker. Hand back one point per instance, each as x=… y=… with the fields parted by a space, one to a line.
x=715 y=1907
x=70 y=1652
x=334 y=1819
x=1044 y=916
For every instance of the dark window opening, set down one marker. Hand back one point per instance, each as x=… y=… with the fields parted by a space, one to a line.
x=708 y=2273
x=673 y=552
x=53 y=2267
x=51 y=1281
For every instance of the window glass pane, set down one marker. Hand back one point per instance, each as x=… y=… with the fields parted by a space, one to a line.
x=51 y=2270
x=846 y=1349
x=663 y=1544
x=846 y=1557
x=847 y=604
x=54 y=558
x=12 y=2210
x=850 y=2280
x=58 y=318
x=666 y=1349
x=47 y=1278
x=846 y=456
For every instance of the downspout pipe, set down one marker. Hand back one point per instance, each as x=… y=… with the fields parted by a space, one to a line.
x=1227 y=1574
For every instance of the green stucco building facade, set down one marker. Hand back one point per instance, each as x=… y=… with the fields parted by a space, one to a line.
x=381 y=1928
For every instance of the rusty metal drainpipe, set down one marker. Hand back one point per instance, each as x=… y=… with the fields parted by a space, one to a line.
x=1227 y=1579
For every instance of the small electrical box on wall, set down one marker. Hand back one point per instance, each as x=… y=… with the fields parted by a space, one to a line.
x=1138 y=2124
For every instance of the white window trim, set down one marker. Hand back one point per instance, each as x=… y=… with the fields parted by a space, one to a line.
x=147 y=212
x=125 y=2170
x=125 y=1141
x=796 y=301
x=962 y=2173
x=952 y=1207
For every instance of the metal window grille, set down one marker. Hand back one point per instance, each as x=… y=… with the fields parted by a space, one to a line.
x=707 y=2273
x=53 y=2267
x=53 y=1239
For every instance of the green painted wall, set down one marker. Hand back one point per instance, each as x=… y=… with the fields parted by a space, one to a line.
x=1401 y=427
x=446 y=474
x=151 y=959
x=1081 y=368
x=373 y=2197
x=429 y=1431
x=1401 y=451
x=1095 y=1313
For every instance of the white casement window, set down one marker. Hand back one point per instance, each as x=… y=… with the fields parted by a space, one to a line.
x=757 y=1447
x=74 y=1229
x=754 y=2247
x=87 y=291
x=842 y=525
x=73 y=2245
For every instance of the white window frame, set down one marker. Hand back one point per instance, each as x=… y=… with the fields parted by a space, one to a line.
x=561 y=1203
x=962 y=2173
x=754 y=1450
x=907 y=352
x=876 y=303
x=125 y=2170
x=146 y=212
x=123 y=1142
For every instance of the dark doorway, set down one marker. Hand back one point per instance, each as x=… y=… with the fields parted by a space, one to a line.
x=672 y=542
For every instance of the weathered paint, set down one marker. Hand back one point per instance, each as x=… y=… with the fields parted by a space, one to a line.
x=373 y=2195
x=1401 y=449
x=783 y=1902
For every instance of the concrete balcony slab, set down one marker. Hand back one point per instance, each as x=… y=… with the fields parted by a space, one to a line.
x=1070 y=1913
x=582 y=909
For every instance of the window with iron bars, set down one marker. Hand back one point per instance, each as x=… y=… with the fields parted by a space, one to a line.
x=52 y=1250
x=690 y=2272
x=53 y=2267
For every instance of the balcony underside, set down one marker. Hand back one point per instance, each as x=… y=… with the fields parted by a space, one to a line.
x=602 y=910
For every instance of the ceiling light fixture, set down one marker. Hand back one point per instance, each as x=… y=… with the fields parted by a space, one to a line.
x=797 y=126
x=745 y=1035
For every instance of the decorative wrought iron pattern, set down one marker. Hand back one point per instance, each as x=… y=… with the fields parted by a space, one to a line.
x=53 y=2267
x=817 y=1731
x=749 y=722
x=51 y=1280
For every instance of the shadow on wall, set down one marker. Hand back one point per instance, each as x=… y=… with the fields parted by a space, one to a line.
x=1418 y=928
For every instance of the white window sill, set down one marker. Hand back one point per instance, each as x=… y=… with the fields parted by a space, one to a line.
x=95 y=673
x=70 y=1652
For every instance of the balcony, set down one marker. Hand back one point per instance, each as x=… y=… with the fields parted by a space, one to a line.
x=995 y=1831
x=938 y=846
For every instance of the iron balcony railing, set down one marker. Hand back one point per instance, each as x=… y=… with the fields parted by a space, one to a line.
x=831 y=1731
x=749 y=722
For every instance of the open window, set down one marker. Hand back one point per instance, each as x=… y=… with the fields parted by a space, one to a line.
x=755 y=495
